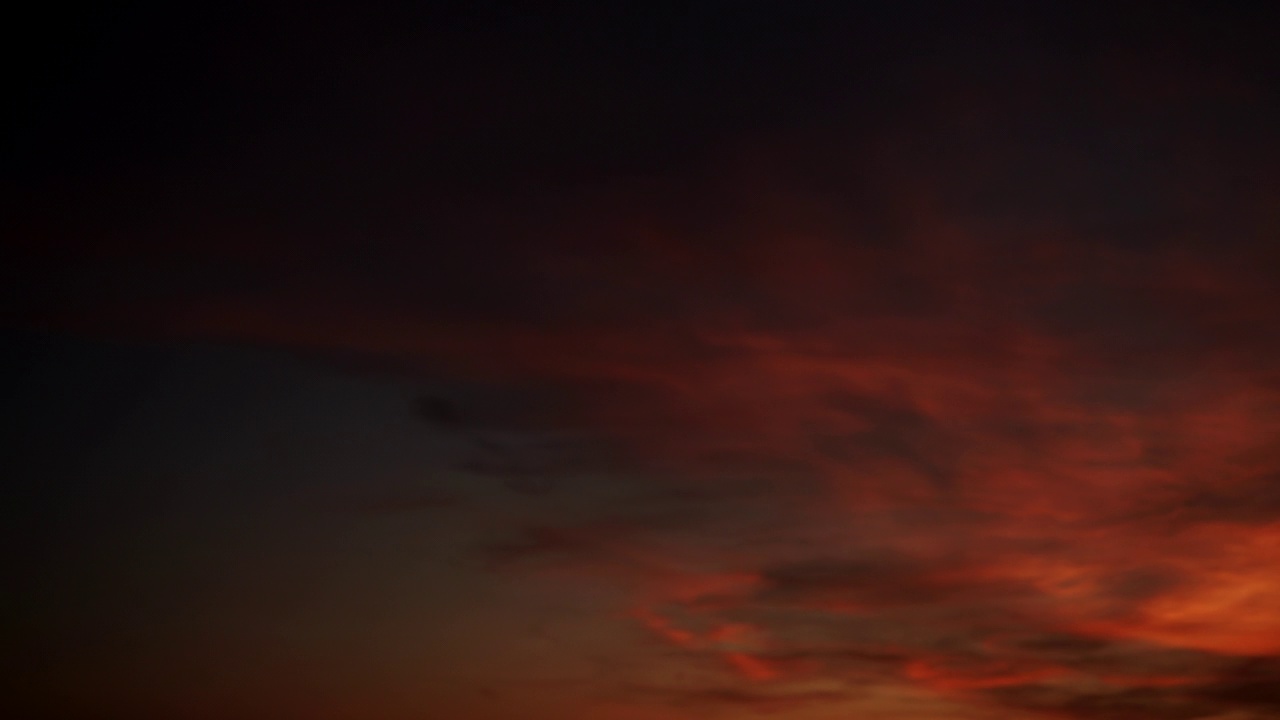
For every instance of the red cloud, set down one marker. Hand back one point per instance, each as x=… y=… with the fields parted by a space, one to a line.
x=1005 y=457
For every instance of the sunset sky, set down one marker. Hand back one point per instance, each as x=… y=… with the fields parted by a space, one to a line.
x=642 y=361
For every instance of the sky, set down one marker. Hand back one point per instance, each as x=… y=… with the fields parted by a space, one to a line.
x=726 y=360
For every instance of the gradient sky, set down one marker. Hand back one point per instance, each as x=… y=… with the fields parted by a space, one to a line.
x=803 y=361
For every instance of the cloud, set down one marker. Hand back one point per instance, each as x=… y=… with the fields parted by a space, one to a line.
x=411 y=502
x=1253 y=683
x=1243 y=688
x=438 y=411
x=982 y=406
x=928 y=506
x=760 y=702
x=973 y=501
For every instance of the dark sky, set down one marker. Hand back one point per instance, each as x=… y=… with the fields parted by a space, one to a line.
x=642 y=361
